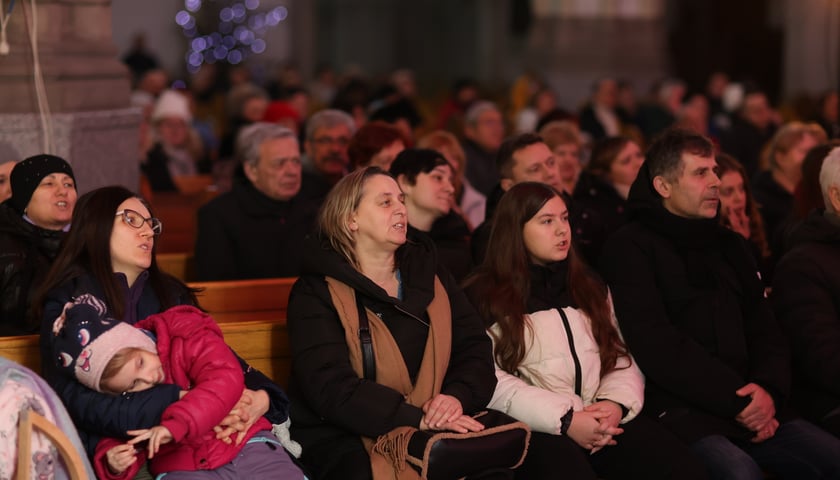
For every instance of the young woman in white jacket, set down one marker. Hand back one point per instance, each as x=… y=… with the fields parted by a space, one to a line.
x=561 y=364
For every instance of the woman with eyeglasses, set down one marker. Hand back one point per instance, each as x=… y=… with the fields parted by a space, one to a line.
x=109 y=255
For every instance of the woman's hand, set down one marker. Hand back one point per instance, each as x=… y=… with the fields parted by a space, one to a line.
x=251 y=406
x=120 y=458
x=586 y=430
x=440 y=410
x=738 y=221
x=609 y=423
x=462 y=424
x=156 y=436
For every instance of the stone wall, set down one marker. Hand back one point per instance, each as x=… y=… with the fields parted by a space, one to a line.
x=87 y=89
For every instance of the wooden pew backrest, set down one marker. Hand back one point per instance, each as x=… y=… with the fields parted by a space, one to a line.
x=23 y=350
x=179 y=265
x=246 y=300
x=178 y=212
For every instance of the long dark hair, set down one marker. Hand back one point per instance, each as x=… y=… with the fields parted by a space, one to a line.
x=87 y=250
x=727 y=163
x=502 y=284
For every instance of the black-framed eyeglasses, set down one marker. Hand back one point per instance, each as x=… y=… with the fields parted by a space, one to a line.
x=134 y=219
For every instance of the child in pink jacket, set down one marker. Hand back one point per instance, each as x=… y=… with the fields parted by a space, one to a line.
x=184 y=346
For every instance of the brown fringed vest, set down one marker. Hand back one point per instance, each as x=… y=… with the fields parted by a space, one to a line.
x=388 y=458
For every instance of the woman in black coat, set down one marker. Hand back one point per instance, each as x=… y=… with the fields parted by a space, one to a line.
x=599 y=202
x=362 y=254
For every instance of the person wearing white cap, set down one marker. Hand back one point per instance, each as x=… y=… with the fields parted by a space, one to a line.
x=176 y=149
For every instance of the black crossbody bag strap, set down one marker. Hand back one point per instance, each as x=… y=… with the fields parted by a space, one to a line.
x=365 y=338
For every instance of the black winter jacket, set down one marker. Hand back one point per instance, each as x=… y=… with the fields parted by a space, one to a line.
x=245 y=234
x=26 y=254
x=329 y=402
x=692 y=310
x=597 y=211
x=806 y=297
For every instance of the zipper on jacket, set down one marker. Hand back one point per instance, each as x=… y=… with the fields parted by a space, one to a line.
x=402 y=310
x=572 y=350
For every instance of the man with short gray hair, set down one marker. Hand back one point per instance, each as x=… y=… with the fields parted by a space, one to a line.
x=806 y=298
x=484 y=131
x=328 y=135
x=253 y=231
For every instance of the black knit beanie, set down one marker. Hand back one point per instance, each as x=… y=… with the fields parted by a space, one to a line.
x=27 y=175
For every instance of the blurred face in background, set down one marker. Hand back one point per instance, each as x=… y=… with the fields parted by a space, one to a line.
x=626 y=165
x=5 y=185
x=385 y=157
x=277 y=174
x=431 y=193
x=568 y=161
x=328 y=149
x=254 y=109
x=757 y=110
x=173 y=131
x=733 y=196
x=790 y=161
x=534 y=163
x=488 y=131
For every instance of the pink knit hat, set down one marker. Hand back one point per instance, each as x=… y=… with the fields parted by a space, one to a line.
x=86 y=340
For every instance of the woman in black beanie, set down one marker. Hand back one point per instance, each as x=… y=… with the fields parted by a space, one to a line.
x=32 y=223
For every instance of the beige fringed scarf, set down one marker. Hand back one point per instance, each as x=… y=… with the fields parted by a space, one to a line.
x=388 y=452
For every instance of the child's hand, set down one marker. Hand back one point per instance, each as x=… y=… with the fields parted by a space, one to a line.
x=120 y=458
x=157 y=436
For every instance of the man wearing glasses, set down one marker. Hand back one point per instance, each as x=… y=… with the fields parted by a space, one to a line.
x=328 y=134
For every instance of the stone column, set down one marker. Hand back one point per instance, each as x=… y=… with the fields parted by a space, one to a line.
x=811 y=47
x=87 y=89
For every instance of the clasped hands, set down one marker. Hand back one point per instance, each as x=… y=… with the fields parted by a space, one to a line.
x=594 y=427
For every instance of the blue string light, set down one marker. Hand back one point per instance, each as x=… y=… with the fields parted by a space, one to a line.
x=238 y=34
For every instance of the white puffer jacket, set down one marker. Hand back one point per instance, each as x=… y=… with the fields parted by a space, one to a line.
x=544 y=390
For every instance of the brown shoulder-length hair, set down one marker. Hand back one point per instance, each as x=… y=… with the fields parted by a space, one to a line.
x=502 y=284
x=604 y=153
x=86 y=251
x=369 y=140
x=727 y=163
